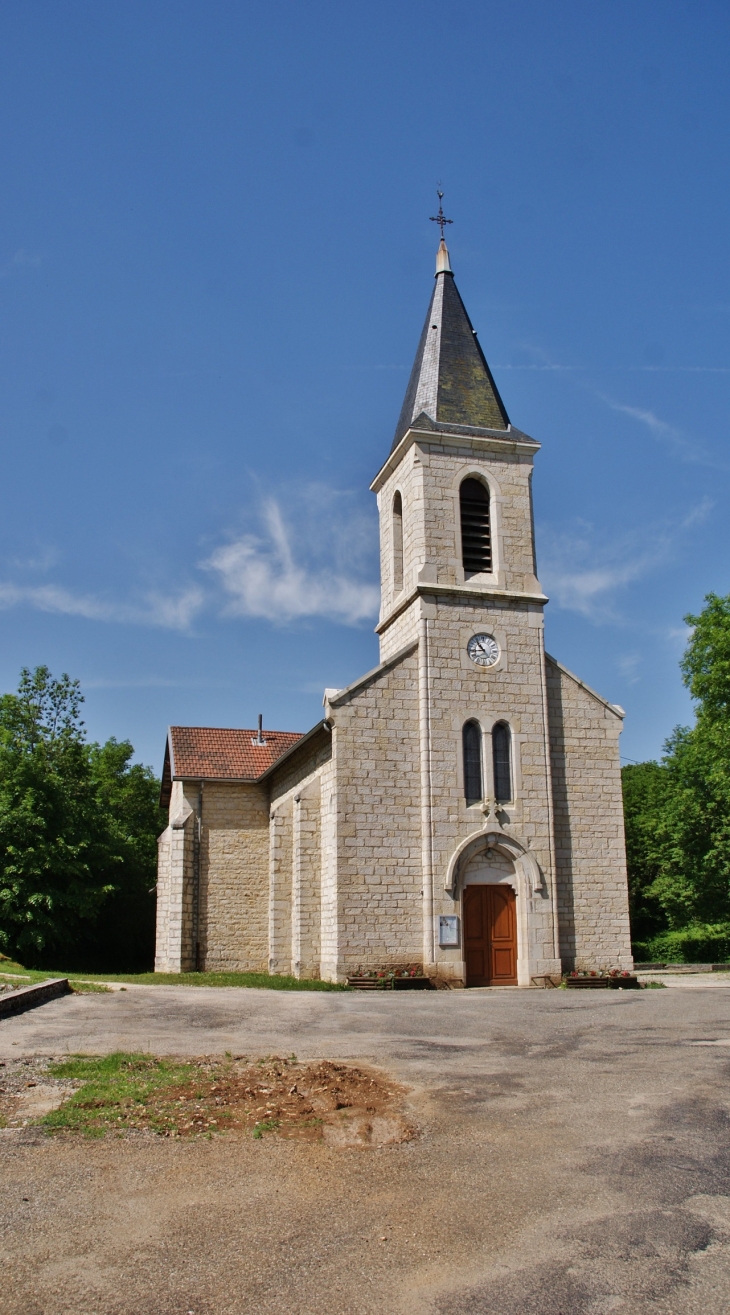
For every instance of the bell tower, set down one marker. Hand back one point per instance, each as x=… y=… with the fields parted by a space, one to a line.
x=459 y=580
x=454 y=495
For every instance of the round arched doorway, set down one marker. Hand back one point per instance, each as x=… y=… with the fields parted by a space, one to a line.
x=490 y=920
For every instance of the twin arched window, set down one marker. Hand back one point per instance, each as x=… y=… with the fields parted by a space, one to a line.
x=397 y=543
x=472 y=737
x=501 y=762
x=476 y=533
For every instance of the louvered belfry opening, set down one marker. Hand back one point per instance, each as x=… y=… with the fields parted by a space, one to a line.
x=472 y=737
x=502 y=766
x=476 y=537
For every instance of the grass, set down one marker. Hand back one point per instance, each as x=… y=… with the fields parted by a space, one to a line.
x=205 y=1097
x=115 y=1093
x=266 y=1125
x=273 y=983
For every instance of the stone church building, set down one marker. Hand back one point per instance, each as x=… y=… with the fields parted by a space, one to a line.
x=459 y=806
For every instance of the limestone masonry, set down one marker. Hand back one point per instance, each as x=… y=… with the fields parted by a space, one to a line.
x=458 y=809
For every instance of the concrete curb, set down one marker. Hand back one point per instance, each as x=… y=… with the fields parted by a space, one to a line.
x=26 y=997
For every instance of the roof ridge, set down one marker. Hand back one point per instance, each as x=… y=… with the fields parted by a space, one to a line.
x=233 y=730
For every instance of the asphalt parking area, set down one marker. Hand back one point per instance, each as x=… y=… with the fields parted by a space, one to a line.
x=573 y=1158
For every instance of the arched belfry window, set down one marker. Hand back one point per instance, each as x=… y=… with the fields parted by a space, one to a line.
x=476 y=535
x=472 y=742
x=397 y=543
x=501 y=756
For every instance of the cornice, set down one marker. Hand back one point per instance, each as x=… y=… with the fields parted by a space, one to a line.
x=496 y=440
x=456 y=591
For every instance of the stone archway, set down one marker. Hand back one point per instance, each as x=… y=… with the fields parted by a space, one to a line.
x=493 y=858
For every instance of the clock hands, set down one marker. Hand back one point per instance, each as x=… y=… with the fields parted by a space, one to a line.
x=483 y=650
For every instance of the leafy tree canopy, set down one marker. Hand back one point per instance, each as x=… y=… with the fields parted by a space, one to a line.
x=706 y=663
x=677 y=812
x=78 y=823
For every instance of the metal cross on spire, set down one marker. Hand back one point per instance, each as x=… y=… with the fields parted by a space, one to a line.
x=440 y=218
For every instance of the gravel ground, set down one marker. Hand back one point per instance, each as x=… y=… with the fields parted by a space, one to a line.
x=574 y=1159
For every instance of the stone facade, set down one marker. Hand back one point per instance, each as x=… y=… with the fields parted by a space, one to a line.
x=589 y=824
x=353 y=849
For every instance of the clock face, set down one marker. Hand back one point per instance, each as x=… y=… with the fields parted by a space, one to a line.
x=483 y=649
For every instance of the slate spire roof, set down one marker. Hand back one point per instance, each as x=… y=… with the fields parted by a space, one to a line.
x=450 y=380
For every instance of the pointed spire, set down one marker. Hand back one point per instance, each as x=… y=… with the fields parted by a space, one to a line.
x=450 y=381
x=443 y=264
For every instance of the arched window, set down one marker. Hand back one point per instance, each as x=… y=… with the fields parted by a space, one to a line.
x=472 y=741
x=476 y=537
x=397 y=543
x=502 y=766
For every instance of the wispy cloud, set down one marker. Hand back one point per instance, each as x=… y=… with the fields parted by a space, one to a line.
x=687 y=449
x=171 y=612
x=628 y=665
x=311 y=564
x=313 y=557
x=646 y=417
x=585 y=572
x=583 y=578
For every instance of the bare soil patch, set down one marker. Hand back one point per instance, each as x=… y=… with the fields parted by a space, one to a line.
x=337 y=1103
x=27 y=1091
x=127 y=1094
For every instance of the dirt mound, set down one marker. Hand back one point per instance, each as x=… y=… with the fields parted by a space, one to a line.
x=335 y=1103
x=338 y=1104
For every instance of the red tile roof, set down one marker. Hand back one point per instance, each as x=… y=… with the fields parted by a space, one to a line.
x=211 y=754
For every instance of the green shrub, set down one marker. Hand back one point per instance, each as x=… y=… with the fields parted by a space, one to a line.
x=701 y=943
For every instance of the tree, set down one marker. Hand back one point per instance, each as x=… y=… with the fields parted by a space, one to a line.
x=129 y=793
x=77 y=826
x=678 y=820
x=706 y=663
x=644 y=788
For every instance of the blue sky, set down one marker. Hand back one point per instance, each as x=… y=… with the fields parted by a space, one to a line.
x=215 y=259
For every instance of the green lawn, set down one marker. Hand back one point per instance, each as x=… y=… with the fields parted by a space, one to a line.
x=274 y=983
x=116 y=1092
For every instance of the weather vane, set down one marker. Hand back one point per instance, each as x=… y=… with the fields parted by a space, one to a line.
x=440 y=218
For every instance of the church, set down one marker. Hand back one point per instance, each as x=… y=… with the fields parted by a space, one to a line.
x=458 y=808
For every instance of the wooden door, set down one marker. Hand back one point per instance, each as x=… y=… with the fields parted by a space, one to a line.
x=502 y=935
x=476 y=936
x=490 y=936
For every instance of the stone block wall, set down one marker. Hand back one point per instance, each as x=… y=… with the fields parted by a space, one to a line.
x=511 y=691
x=378 y=826
x=281 y=853
x=428 y=478
x=296 y=858
x=174 y=948
x=589 y=825
x=306 y=882
x=329 y=927
x=234 y=878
